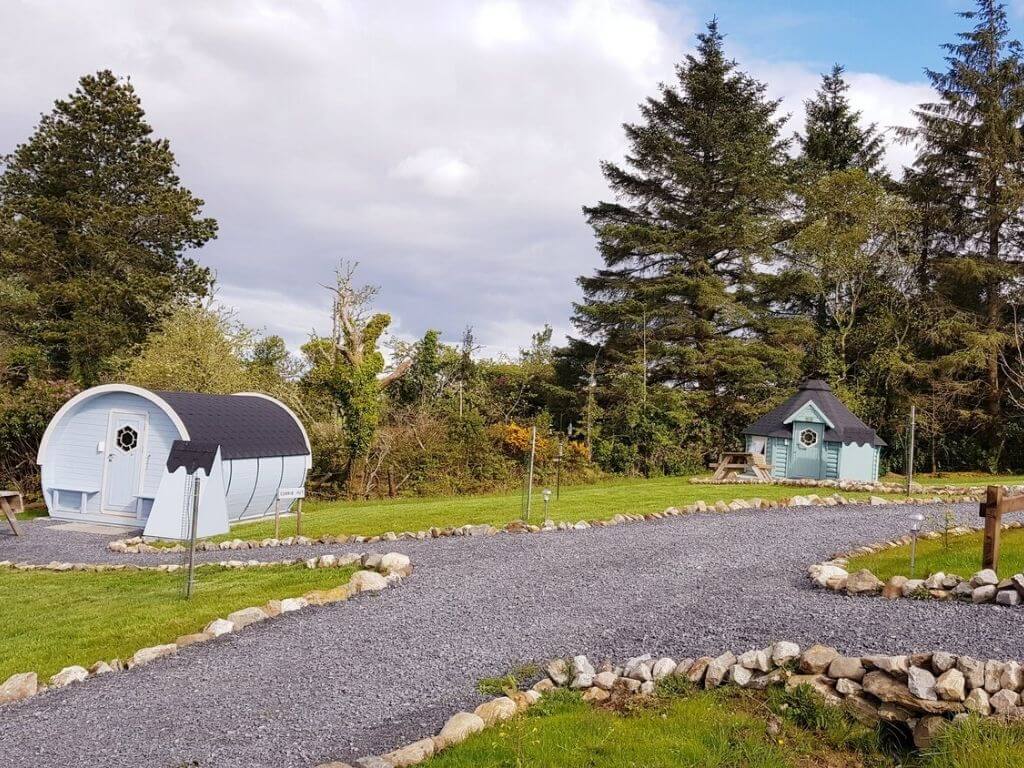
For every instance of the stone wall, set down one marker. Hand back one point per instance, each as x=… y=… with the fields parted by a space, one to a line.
x=920 y=693
x=983 y=586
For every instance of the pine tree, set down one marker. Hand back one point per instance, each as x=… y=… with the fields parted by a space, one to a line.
x=972 y=164
x=699 y=196
x=833 y=139
x=94 y=223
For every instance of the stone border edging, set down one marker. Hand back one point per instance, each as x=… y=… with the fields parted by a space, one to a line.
x=921 y=692
x=138 y=544
x=378 y=572
x=983 y=586
x=857 y=486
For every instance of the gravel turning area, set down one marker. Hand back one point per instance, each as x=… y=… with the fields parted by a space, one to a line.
x=341 y=681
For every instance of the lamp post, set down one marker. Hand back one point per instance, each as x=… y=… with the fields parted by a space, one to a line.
x=915 y=528
x=546 y=493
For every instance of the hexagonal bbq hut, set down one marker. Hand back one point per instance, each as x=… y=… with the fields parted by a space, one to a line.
x=814 y=436
x=104 y=456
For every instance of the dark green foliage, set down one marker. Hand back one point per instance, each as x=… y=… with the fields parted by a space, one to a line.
x=24 y=413
x=94 y=224
x=969 y=178
x=677 y=302
x=833 y=139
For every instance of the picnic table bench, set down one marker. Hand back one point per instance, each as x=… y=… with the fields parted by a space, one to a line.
x=12 y=504
x=737 y=462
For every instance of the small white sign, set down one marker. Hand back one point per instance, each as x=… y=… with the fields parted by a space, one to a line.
x=291 y=493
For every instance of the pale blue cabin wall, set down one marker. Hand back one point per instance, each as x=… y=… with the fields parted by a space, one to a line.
x=859 y=462
x=72 y=461
x=778 y=455
x=832 y=451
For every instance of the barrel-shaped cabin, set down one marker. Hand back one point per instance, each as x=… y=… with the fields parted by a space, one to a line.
x=104 y=454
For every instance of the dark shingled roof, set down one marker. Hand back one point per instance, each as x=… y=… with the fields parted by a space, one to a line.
x=848 y=428
x=244 y=426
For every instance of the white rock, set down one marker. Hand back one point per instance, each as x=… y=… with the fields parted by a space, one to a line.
x=921 y=683
x=581 y=665
x=784 y=651
x=1012 y=676
x=986 y=577
x=366 y=581
x=146 y=655
x=396 y=562
x=458 y=728
x=68 y=675
x=558 y=671
x=978 y=701
x=951 y=685
x=663 y=668
x=246 y=616
x=756 y=660
x=740 y=675
x=219 y=627
x=19 y=686
x=1004 y=701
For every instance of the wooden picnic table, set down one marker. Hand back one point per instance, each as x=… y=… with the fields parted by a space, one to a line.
x=737 y=462
x=12 y=504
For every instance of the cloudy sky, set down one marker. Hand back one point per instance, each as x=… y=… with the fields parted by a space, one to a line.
x=447 y=146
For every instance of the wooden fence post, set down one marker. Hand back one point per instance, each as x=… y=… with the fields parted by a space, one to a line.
x=992 y=511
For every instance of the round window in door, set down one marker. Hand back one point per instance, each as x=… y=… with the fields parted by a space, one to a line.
x=808 y=438
x=127 y=439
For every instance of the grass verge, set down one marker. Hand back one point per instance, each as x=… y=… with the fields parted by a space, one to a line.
x=583 y=502
x=53 y=620
x=725 y=728
x=962 y=556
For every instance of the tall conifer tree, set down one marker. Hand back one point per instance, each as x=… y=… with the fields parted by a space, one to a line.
x=833 y=138
x=698 y=199
x=94 y=225
x=972 y=164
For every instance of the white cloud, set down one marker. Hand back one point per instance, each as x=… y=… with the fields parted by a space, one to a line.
x=497 y=22
x=447 y=147
x=441 y=171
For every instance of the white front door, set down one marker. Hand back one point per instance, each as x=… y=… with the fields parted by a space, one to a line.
x=125 y=450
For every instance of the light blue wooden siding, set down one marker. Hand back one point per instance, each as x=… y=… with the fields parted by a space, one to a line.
x=73 y=461
x=778 y=455
x=859 y=462
x=832 y=451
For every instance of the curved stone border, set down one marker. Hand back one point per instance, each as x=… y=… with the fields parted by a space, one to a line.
x=853 y=485
x=983 y=586
x=138 y=545
x=921 y=692
x=323 y=561
x=379 y=572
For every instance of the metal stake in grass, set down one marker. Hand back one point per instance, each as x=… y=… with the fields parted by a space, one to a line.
x=191 y=582
x=915 y=527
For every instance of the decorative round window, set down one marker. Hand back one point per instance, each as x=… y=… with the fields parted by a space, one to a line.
x=127 y=439
x=808 y=438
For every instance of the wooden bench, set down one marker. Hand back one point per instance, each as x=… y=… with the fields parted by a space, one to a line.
x=12 y=504
x=737 y=462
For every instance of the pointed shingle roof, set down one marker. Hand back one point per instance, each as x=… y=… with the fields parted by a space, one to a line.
x=847 y=427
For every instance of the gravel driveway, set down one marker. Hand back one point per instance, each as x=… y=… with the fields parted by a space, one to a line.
x=361 y=677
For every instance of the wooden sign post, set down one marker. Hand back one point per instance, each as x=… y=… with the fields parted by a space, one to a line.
x=288 y=494
x=995 y=505
x=991 y=510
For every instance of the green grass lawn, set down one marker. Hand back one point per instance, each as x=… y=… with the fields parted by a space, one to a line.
x=582 y=502
x=958 y=478
x=717 y=729
x=53 y=620
x=962 y=557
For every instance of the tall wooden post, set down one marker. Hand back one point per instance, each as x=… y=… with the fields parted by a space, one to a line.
x=992 y=511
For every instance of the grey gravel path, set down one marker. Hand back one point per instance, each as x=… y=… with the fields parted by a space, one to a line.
x=364 y=676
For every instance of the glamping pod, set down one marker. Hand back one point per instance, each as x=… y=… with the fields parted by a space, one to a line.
x=104 y=455
x=814 y=436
